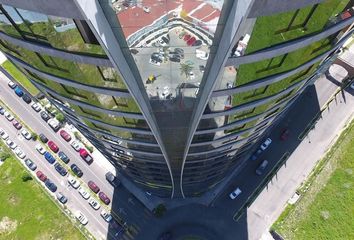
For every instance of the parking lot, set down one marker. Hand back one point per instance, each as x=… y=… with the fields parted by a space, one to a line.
x=46 y=159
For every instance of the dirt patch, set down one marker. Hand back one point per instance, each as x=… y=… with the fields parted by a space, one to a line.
x=7 y=225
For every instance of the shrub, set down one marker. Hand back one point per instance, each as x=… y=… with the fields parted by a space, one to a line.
x=26 y=177
x=4 y=156
x=160 y=210
x=60 y=117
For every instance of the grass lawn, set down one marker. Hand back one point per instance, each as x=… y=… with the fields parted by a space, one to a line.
x=26 y=212
x=16 y=74
x=326 y=209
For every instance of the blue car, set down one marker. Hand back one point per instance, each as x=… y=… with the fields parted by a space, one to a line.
x=49 y=157
x=18 y=91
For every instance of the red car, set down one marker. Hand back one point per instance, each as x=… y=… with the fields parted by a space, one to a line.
x=65 y=135
x=191 y=41
x=41 y=176
x=93 y=186
x=186 y=37
x=104 y=198
x=16 y=124
x=284 y=134
x=53 y=146
x=86 y=156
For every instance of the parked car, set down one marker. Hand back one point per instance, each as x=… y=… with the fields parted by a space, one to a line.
x=266 y=144
x=94 y=204
x=49 y=157
x=106 y=216
x=18 y=91
x=18 y=151
x=61 y=198
x=11 y=144
x=43 y=138
x=84 y=193
x=175 y=58
x=2 y=110
x=65 y=135
x=201 y=68
x=180 y=52
x=191 y=41
x=73 y=182
x=81 y=218
x=235 y=193
x=45 y=116
x=53 y=146
x=186 y=37
x=17 y=124
x=31 y=165
x=36 y=107
x=262 y=166
x=12 y=84
x=3 y=134
x=60 y=169
x=165 y=39
x=41 y=176
x=26 y=98
x=85 y=155
x=50 y=185
x=284 y=134
x=116 y=229
x=197 y=43
x=77 y=171
x=256 y=154
x=92 y=185
x=26 y=134
x=112 y=179
x=54 y=124
x=75 y=145
x=8 y=116
x=40 y=149
x=104 y=198
x=64 y=157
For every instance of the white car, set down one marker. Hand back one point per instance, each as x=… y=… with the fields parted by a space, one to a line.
x=8 y=116
x=266 y=144
x=26 y=134
x=94 y=204
x=106 y=216
x=75 y=145
x=40 y=149
x=18 y=151
x=11 y=144
x=36 y=107
x=11 y=84
x=146 y=9
x=84 y=193
x=81 y=218
x=73 y=182
x=3 y=134
x=235 y=193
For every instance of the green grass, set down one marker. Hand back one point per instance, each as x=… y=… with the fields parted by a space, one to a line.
x=326 y=208
x=22 y=79
x=25 y=204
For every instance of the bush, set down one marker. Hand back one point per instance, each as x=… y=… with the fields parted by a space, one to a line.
x=90 y=148
x=160 y=210
x=26 y=177
x=34 y=136
x=4 y=156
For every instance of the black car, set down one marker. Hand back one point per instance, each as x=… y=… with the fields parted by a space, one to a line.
x=63 y=157
x=112 y=179
x=60 y=169
x=2 y=110
x=180 y=52
x=201 y=68
x=175 y=58
x=45 y=116
x=77 y=171
x=43 y=138
x=197 y=43
x=40 y=96
x=165 y=39
x=50 y=185
x=26 y=98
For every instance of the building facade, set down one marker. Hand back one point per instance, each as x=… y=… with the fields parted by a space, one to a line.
x=174 y=93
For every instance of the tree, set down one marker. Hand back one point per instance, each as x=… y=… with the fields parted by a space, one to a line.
x=26 y=177
x=60 y=117
x=186 y=69
x=34 y=136
x=160 y=210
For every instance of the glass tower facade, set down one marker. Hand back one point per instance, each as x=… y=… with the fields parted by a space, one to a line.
x=174 y=93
